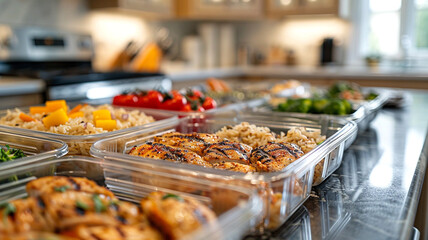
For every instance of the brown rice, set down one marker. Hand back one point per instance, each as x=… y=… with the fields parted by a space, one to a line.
x=79 y=126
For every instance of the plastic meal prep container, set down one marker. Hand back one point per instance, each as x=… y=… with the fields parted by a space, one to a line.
x=80 y=144
x=364 y=113
x=229 y=107
x=35 y=148
x=236 y=214
x=283 y=192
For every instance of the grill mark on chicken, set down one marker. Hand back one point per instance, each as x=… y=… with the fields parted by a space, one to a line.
x=274 y=156
x=41 y=203
x=194 y=137
x=264 y=157
x=95 y=236
x=165 y=152
x=227 y=152
x=79 y=211
x=232 y=147
x=76 y=186
x=121 y=233
x=122 y=219
x=195 y=142
x=282 y=147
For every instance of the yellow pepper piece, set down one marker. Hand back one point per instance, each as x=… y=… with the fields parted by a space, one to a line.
x=76 y=115
x=56 y=118
x=52 y=106
x=102 y=114
x=108 y=125
x=38 y=109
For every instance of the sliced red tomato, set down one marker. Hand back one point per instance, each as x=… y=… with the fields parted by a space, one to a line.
x=209 y=103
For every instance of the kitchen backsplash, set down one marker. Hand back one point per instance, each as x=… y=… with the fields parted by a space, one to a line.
x=111 y=31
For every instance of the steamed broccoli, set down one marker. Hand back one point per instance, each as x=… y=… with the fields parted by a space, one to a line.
x=302 y=105
x=7 y=154
x=335 y=107
x=319 y=104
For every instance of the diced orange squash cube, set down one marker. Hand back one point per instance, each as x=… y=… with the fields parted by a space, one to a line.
x=54 y=105
x=55 y=118
x=108 y=125
x=38 y=109
x=76 y=115
x=102 y=114
x=24 y=117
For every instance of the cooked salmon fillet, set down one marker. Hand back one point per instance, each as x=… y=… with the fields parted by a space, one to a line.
x=227 y=152
x=120 y=232
x=69 y=209
x=195 y=142
x=176 y=216
x=233 y=166
x=164 y=152
x=23 y=215
x=52 y=184
x=274 y=156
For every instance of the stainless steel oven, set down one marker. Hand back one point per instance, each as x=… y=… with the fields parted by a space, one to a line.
x=63 y=60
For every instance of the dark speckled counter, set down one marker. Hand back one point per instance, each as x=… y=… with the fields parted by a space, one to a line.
x=375 y=192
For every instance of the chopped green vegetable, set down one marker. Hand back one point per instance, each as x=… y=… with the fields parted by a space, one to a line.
x=82 y=205
x=335 y=107
x=318 y=105
x=99 y=205
x=61 y=189
x=9 y=154
x=9 y=209
x=169 y=195
x=372 y=96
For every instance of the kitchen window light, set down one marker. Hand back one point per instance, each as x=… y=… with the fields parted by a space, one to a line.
x=394 y=29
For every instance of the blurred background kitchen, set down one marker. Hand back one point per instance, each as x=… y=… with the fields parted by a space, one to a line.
x=371 y=42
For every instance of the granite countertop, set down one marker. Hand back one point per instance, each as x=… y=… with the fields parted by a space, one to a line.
x=18 y=86
x=375 y=192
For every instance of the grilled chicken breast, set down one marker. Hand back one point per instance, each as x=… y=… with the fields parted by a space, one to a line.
x=227 y=152
x=35 y=236
x=176 y=216
x=23 y=215
x=233 y=166
x=120 y=232
x=274 y=156
x=52 y=184
x=69 y=209
x=164 y=152
x=195 y=142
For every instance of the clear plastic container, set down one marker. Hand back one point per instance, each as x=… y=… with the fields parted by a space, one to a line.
x=283 y=192
x=372 y=107
x=35 y=148
x=80 y=144
x=237 y=212
x=359 y=117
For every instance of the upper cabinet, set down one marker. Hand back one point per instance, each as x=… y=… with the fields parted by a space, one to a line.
x=187 y=9
x=281 y=8
x=220 y=9
x=149 y=8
